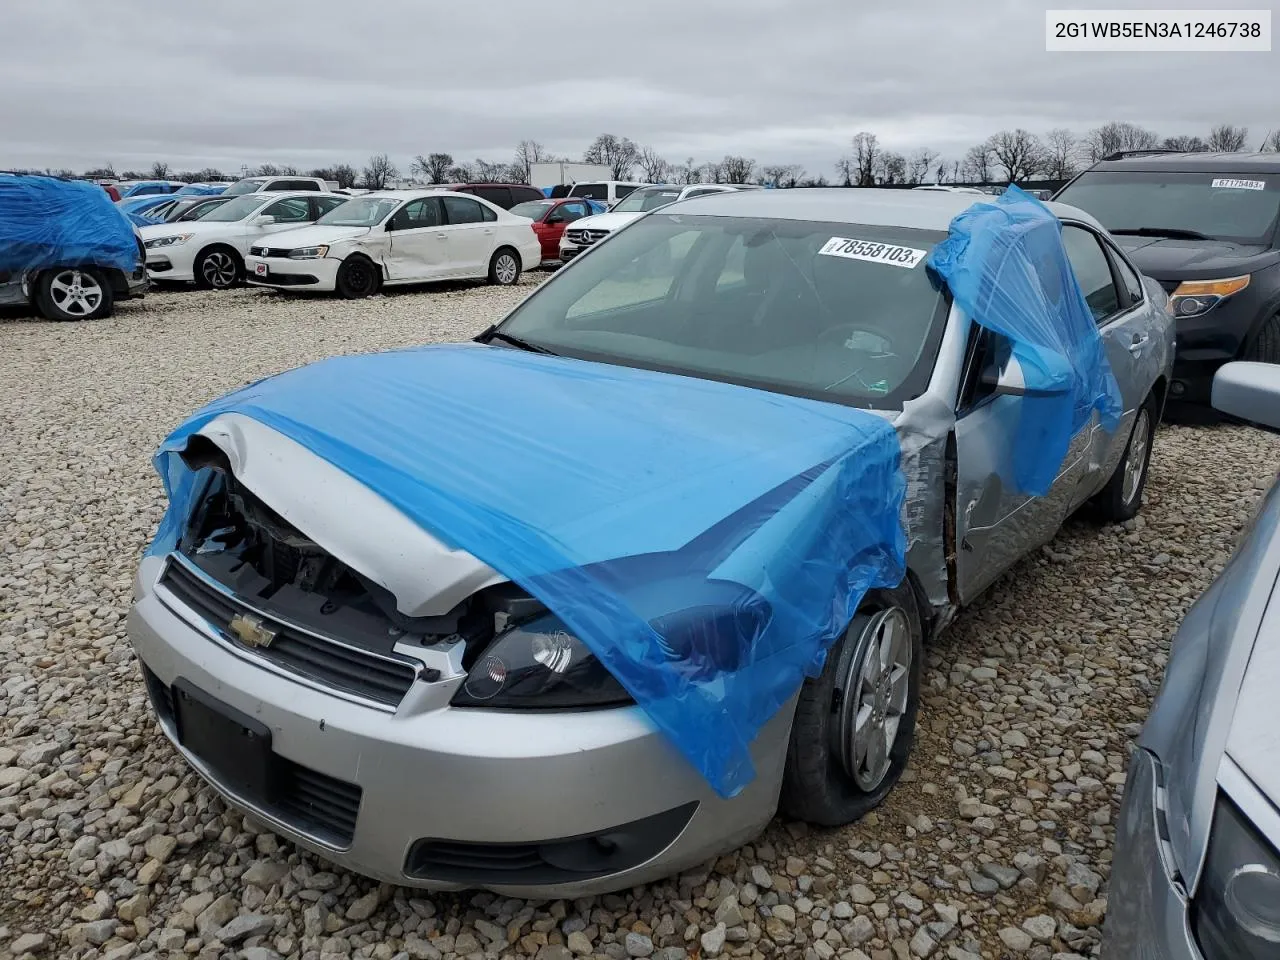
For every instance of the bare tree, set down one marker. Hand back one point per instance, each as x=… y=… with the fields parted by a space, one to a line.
x=940 y=173
x=1185 y=144
x=955 y=171
x=653 y=168
x=687 y=172
x=1113 y=137
x=866 y=158
x=781 y=174
x=846 y=170
x=618 y=153
x=379 y=172
x=977 y=163
x=919 y=164
x=484 y=171
x=891 y=168
x=159 y=170
x=105 y=172
x=434 y=167
x=737 y=169
x=1019 y=152
x=1271 y=142
x=459 y=173
x=345 y=174
x=266 y=170
x=289 y=170
x=528 y=152
x=818 y=181
x=1224 y=138
x=1061 y=154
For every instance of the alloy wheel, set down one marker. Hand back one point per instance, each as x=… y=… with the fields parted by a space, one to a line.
x=219 y=269
x=76 y=293
x=874 y=697
x=506 y=268
x=1135 y=460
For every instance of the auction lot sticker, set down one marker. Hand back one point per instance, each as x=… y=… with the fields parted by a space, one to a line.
x=873 y=251
x=1231 y=183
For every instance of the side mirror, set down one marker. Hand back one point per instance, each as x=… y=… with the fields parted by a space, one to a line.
x=391 y=225
x=1011 y=382
x=1249 y=391
x=557 y=218
x=263 y=220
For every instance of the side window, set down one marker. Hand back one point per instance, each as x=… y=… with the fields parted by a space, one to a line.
x=702 y=192
x=298 y=185
x=1128 y=279
x=574 y=210
x=592 y=191
x=462 y=210
x=625 y=188
x=324 y=204
x=992 y=352
x=488 y=213
x=1092 y=270
x=525 y=194
x=498 y=196
x=424 y=212
x=291 y=210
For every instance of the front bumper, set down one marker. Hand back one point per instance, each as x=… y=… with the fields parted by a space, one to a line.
x=171 y=263
x=1207 y=342
x=427 y=790
x=286 y=274
x=1148 y=917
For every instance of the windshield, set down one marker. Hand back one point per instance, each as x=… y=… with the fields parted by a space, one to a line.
x=361 y=212
x=238 y=208
x=533 y=209
x=242 y=187
x=834 y=311
x=202 y=208
x=1241 y=207
x=647 y=198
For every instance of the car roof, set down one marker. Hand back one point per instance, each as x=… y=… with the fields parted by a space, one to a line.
x=486 y=183
x=1194 y=162
x=915 y=209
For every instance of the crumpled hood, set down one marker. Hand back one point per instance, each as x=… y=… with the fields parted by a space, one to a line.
x=309 y=237
x=1171 y=259
x=625 y=500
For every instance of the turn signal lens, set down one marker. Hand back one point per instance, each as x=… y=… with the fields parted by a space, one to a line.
x=1194 y=297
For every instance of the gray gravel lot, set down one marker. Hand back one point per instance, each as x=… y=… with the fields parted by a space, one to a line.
x=997 y=845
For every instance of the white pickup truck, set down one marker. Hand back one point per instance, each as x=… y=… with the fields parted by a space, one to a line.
x=279 y=185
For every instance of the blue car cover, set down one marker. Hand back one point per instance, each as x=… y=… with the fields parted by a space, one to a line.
x=632 y=503
x=1005 y=265
x=47 y=222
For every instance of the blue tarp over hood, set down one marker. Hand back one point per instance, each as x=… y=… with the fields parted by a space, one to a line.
x=1006 y=266
x=542 y=467
x=46 y=222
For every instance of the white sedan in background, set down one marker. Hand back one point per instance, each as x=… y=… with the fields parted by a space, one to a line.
x=211 y=250
x=398 y=237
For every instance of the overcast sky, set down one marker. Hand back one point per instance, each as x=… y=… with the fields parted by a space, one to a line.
x=237 y=82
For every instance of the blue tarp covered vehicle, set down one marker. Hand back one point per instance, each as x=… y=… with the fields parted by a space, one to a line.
x=66 y=247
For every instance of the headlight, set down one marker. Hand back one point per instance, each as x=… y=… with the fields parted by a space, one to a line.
x=167 y=241
x=539 y=664
x=309 y=253
x=1194 y=297
x=1237 y=908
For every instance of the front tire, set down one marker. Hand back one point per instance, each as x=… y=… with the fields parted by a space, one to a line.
x=855 y=723
x=358 y=278
x=504 y=268
x=218 y=268
x=1266 y=345
x=1121 y=498
x=73 y=293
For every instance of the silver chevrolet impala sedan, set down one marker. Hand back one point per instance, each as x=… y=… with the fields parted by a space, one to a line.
x=393 y=703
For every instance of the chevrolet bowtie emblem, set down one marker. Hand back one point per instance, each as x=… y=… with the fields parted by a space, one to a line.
x=251 y=630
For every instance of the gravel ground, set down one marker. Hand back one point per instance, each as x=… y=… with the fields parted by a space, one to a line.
x=996 y=845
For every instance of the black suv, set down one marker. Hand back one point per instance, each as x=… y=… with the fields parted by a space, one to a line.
x=1204 y=226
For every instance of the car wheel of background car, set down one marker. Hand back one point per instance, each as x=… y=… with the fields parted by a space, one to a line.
x=218 y=268
x=504 y=268
x=855 y=723
x=1121 y=498
x=73 y=294
x=358 y=277
x=1266 y=345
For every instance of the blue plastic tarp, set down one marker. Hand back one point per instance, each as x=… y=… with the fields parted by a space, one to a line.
x=47 y=222
x=590 y=484
x=1005 y=265
x=203 y=189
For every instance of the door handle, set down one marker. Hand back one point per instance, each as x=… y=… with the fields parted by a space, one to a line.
x=488 y=231
x=1139 y=341
x=442 y=236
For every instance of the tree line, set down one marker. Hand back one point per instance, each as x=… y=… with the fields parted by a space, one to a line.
x=1009 y=155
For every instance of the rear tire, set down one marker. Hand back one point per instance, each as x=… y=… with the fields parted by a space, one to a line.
x=854 y=726
x=358 y=277
x=73 y=293
x=218 y=268
x=504 y=268
x=1121 y=498
x=1266 y=345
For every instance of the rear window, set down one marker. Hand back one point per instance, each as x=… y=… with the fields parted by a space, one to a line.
x=1239 y=207
x=593 y=191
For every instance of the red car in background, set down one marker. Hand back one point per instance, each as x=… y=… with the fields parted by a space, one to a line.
x=550 y=217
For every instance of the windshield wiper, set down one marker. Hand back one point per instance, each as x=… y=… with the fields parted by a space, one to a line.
x=495 y=334
x=1172 y=233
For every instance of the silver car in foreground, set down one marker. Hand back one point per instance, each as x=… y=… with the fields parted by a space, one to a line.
x=1197 y=862
x=385 y=757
